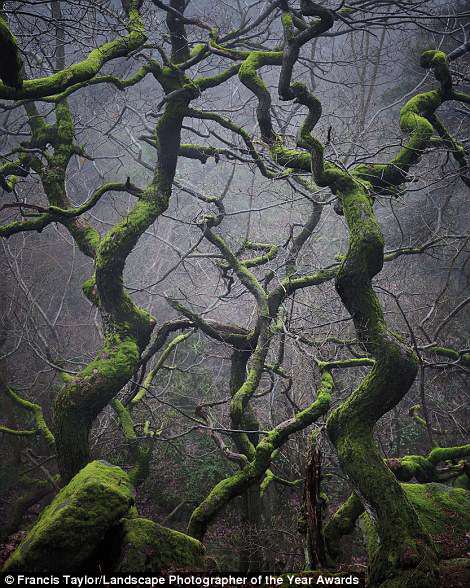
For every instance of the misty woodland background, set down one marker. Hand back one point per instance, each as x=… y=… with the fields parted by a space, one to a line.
x=229 y=226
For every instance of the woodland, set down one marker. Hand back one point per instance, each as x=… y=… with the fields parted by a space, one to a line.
x=234 y=306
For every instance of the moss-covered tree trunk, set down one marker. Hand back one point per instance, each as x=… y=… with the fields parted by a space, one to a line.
x=251 y=553
x=251 y=557
x=255 y=470
x=127 y=327
x=406 y=555
x=312 y=510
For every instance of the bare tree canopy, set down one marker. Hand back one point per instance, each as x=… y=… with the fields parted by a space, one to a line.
x=235 y=319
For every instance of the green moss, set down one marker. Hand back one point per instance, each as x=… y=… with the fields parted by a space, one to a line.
x=140 y=455
x=81 y=399
x=342 y=523
x=72 y=526
x=443 y=511
x=197 y=50
x=18 y=432
x=270 y=249
x=299 y=160
x=462 y=481
x=417 y=119
x=439 y=454
x=453 y=354
x=150 y=548
x=118 y=357
x=371 y=538
x=127 y=327
x=250 y=78
x=151 y=375
x=125 y=420
x=415 y=466
x=264 y=453
x=255 y=60
x=220 y=495
x=84 y=70
x=437 y=61
x=89 y=289
x=37 y=413
x=11 y=63
x=405 y=549
x=203 y=83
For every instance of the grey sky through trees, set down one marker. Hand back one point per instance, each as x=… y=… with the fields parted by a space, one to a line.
x=235 y=245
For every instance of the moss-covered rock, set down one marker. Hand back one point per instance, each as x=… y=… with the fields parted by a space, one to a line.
x=150 y=548
x=70 y=529
x=444 y=512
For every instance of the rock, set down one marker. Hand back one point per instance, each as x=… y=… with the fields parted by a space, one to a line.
x=72 y=527
x=462 y=481
x=146 y=547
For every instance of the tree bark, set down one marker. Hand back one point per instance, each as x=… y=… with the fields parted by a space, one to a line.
x=406 y=555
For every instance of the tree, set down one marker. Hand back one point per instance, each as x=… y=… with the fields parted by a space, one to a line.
x=204 y=59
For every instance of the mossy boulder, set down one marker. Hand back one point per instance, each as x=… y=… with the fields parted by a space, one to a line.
x=462 y=481
x=71 y=528
x=146 y=547
x=445 y=514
